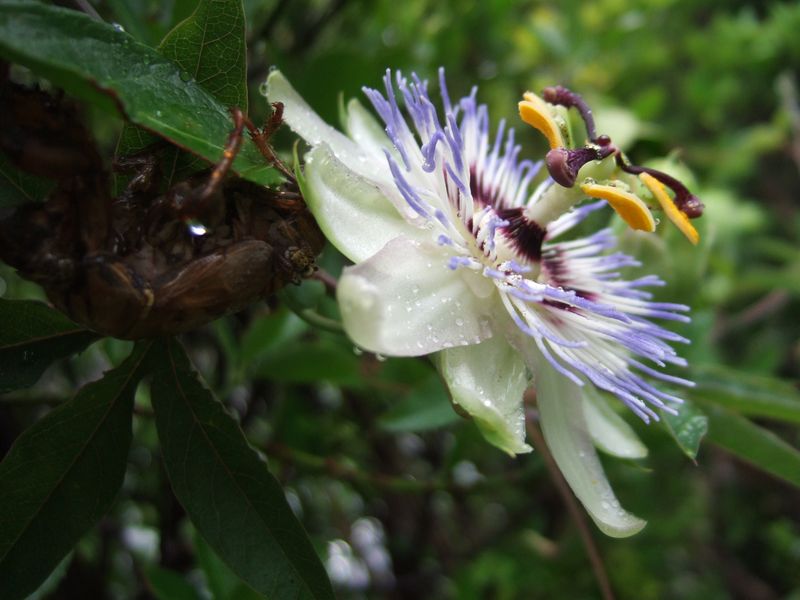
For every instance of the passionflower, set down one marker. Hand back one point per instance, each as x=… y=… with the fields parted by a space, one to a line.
x=461 y=250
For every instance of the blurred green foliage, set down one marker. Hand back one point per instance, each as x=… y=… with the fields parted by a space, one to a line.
x=400 y=500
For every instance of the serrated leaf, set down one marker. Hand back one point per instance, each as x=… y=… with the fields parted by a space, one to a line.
x=688 y=427
x=18 y=187
x=229 y=494
x=32 y=337
x=209 y=46
x=62 y=474
x=109 y=68
x=754 y=444
x=426 y=407
x=747 y=394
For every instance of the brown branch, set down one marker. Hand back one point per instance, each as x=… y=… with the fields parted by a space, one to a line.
x=575 y=511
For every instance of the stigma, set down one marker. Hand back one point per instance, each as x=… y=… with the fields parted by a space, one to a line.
x=626 y=187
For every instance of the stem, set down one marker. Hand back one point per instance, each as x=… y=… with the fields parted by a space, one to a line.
x=575 y=511
x=328 y=280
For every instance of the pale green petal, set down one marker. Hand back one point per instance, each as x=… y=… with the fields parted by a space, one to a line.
x=365 y=130
x=488 y=380
x=307 y=124
x=561 y=409
x=352 y=212
x=406 y=301
x=609 y=431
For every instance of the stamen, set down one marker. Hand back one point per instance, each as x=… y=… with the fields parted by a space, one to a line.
x=632 y=210
x=564 y=97
x=670 y=209
x=536 y=113
x=687 y=203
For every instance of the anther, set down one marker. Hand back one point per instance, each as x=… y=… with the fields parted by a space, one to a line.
x=536 y=113
x=686 y=202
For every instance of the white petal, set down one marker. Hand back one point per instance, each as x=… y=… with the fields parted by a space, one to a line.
x=609 y=431
x=405 y=301
x=488 y=380
x=353 y=212
x=308 y=125
x=564 y=427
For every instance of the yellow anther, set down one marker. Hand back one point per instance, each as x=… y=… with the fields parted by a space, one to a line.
x=536 y=113
x=680 y=220
x=632 y=210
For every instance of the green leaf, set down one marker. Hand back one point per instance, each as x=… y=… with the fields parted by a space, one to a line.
x=754 y=444
x=109 y=68
x=18 y=187
x=169 y=585
x=222 y=582
x=31 y=338
x=688 y=427
x=229 y=494
x=269 y=332
x=62 y=475
x=427 y=407
x=747 y=394
x=210 y=47
x=312 y=362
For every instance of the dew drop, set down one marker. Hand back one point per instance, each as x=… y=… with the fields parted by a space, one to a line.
x=262 y=89
x=380 y=357
x=357 y=351
x=185 y=76
x=196 y=228
x=118 y=27
x=605 y=505
x=159 y=113
x=415 y=290
x=460 y=322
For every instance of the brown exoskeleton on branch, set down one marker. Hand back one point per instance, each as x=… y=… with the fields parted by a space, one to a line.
x=147 y=263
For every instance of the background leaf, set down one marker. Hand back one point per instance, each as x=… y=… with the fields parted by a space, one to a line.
x=427 y=407
x=228 y=492
x=34 y=335
x=222 y=582
x=169 y=585
x=754 y=444
x=62 y=475
x=748 y=394
x=688 y=427
x=209 y=46
x=18 y=187
x=108 y=68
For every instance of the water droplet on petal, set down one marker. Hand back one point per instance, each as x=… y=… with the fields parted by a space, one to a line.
x=357 y=351
x=380 y=357
x=262 y=89
x=460 y=322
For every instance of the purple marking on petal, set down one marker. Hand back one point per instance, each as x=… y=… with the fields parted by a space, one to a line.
x=526 y=236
